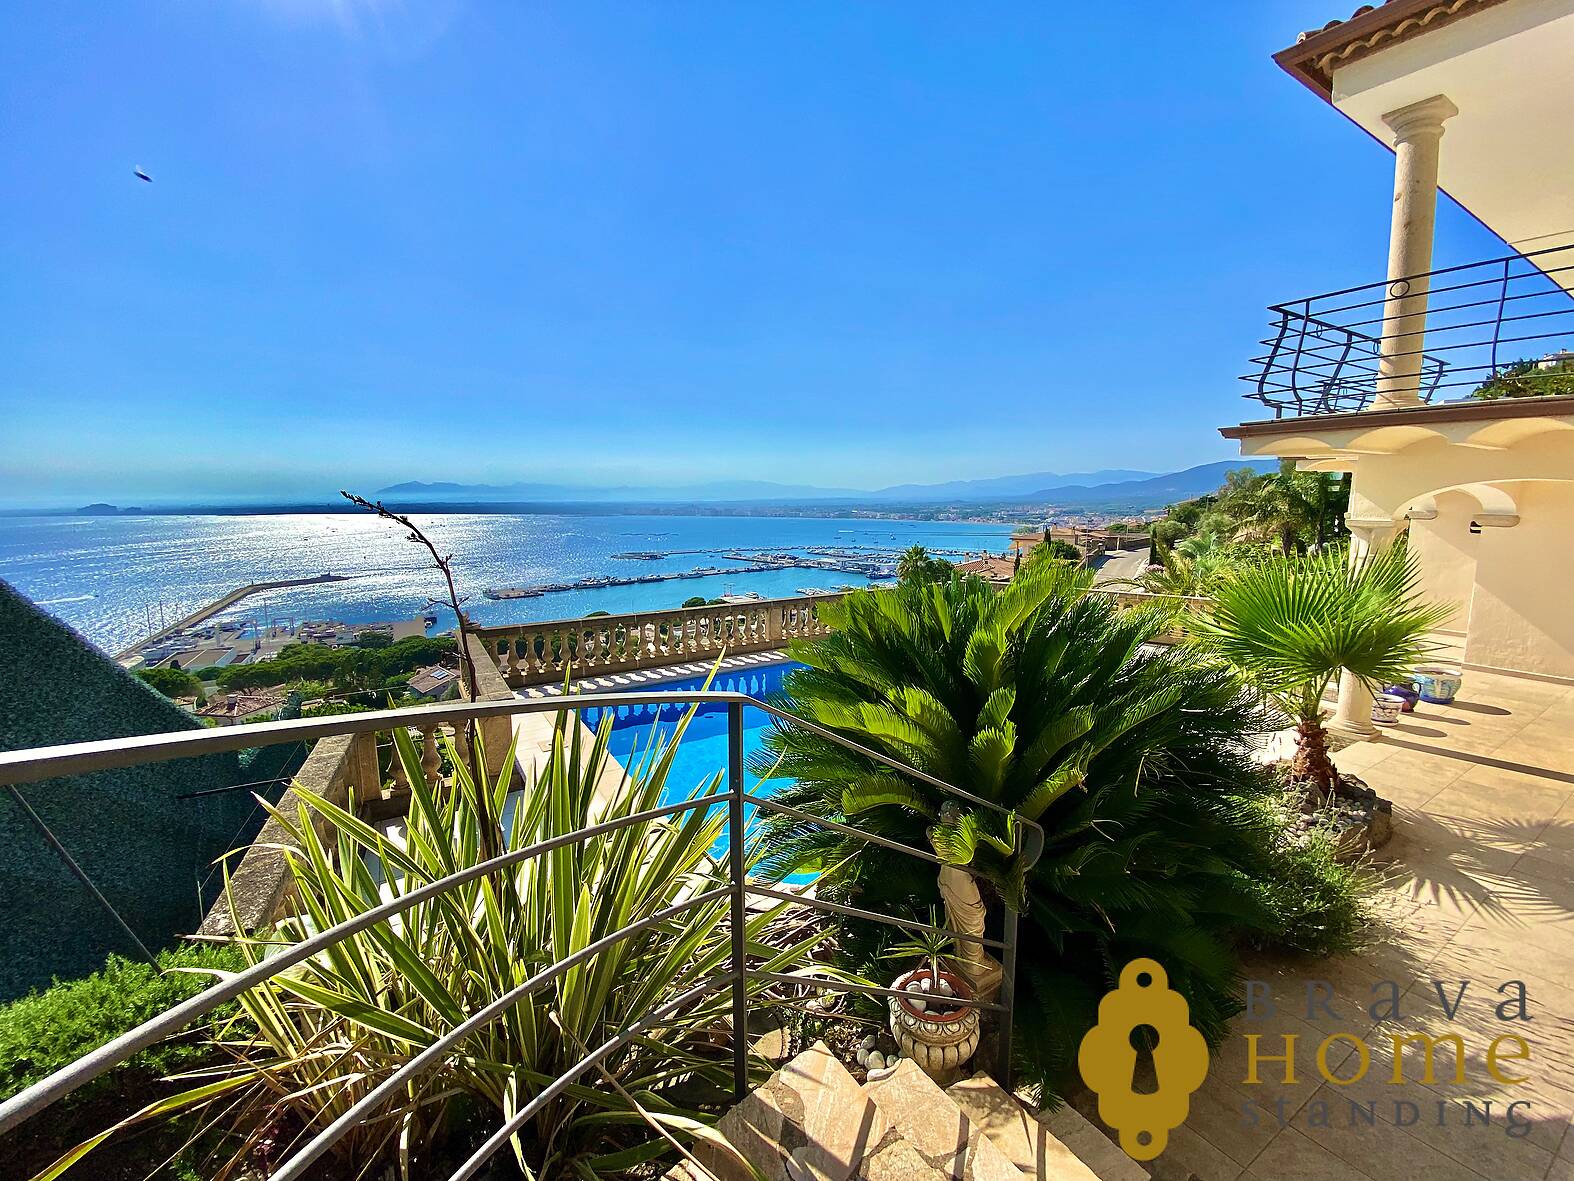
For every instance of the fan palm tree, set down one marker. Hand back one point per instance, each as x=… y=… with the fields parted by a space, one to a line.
x=1046 y=700
x=1291 y=626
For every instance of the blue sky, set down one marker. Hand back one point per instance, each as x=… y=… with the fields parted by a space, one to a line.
x=652 y=242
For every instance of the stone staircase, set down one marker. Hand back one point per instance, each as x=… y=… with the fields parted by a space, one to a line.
x=812 y=1121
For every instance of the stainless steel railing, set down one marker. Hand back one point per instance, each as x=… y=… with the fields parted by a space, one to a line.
x=30 y=766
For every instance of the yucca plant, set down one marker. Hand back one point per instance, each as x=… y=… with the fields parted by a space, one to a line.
x=928 y=945
x=1051 y=702
x=1290 y=626
x=330 y=1030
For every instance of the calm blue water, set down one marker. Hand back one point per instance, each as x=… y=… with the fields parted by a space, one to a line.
x=113 y=578
x=702 y=755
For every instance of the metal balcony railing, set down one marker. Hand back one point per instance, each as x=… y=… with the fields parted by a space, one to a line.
x=1508 y=320
x=31 y=766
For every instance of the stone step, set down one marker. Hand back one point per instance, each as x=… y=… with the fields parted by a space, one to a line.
x=1060 y=1145
x=1030 y=1146
x=1088 y=1141
x=810 y=1121
x=950 y=1141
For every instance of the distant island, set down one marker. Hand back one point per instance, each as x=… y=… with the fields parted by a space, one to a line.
x=107 y=510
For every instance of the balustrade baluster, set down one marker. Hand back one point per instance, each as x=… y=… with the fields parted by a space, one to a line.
x=401 y=781
x=430 y=759
x=511 y=671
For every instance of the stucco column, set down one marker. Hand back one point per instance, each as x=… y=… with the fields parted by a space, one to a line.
x=1418 y=132
x=1353 y=715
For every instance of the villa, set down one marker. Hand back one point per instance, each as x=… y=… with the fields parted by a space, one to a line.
x=1377 y=379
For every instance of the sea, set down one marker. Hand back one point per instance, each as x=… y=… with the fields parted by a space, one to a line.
x=117 y=579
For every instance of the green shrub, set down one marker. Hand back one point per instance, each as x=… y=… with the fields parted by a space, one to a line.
x=1162 y=838
x=324 y=1037
x=355 y=667
x=172 y=682
x=46 y=1030
x=1528 y=379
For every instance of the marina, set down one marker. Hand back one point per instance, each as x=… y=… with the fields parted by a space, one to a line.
x=112 y=578
x=840 y=559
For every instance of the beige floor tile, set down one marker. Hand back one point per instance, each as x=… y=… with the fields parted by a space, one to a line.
x=1509 y=797
x=1190 y=1153
x=1230 y=1122
x=1293 y=1157
x=1480 y=888
x=1380 y=1150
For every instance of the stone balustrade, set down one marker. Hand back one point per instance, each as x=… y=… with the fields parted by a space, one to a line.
x=340 y=769
x=543 y=653
x=359 y=772
x=362 y=770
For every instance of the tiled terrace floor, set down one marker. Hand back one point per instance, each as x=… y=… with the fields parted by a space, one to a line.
x=1482 y=889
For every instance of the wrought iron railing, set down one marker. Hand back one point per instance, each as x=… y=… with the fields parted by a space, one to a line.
x=31 y=766
x=1508 y=321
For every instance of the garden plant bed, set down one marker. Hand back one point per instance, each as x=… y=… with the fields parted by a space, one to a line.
x=1360 y=819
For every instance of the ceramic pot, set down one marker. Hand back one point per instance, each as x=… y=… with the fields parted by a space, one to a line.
x=1386 y=708
x=1438 y=683
x=1407 y=693
x=939 y=1038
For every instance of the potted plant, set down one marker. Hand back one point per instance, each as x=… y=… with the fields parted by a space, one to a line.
x=929 y=1024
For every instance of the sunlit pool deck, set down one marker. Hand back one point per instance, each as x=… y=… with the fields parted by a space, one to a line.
x=1479 y=891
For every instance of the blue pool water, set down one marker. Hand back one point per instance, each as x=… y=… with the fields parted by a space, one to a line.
x=702 y=754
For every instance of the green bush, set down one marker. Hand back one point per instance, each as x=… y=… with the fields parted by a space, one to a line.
x=1527 y=379
x=354 y=667
x=172 y=682
x=324 y=1037
x=46 y=1030
x=1162 y=838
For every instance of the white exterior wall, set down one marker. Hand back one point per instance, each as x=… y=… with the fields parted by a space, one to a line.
x=1522 y=612
x=1446 y=551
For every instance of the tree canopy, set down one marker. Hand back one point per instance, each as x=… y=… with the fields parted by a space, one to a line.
x=344 y=668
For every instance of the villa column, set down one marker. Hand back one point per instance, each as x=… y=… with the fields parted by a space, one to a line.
x=1353 y=715
x=1418 y=132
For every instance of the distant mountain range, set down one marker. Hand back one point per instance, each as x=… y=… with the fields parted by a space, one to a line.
x=1115 y=487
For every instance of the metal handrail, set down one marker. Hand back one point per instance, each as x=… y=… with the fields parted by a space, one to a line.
x=30 y=766
x=1329 y=353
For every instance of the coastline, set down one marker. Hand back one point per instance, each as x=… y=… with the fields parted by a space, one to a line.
x=118 y=579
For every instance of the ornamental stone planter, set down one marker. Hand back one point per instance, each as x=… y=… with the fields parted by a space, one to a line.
x=1386 y=708
x=938 y=1036
x=1438 y=683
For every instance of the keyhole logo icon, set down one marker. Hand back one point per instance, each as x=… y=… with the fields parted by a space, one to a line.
x=1107 y=1059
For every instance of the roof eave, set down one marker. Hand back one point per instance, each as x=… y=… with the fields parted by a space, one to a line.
x=1423 y=16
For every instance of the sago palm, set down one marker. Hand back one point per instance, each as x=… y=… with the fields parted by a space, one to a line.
x=1290 y=626
x=1047 y=700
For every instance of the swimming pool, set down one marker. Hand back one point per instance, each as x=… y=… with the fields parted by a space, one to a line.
x=702 y=754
